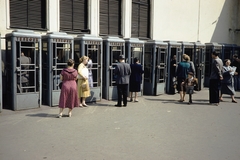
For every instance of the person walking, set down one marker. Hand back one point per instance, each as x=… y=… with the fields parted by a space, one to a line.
x=215 y=78
x=135 y=79
x=182 y=72
x=228 y=82
x=122 y=72
x=68 y=96
x=236 y=63
x=83 y=84
x=189 y=83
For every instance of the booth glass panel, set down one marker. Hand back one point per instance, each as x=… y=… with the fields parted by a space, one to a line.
x=93 y=52
x=27 y=67
x=148 y=64
x=136 y=52
x=116 y=51
x=61 y=54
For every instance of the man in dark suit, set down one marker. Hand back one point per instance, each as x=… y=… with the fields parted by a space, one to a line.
x=122 y=72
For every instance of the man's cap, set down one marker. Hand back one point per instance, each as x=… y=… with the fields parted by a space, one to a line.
x=121 y=57
x=190 y=73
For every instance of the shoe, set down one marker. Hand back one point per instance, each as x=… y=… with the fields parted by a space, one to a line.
x=180 y=100
x=80 y=105
x=70 y=115
x=189 y=103
x=116 y=105
x=59 y=116
x=234 y=101
x=124 y=105
x=84 y=105
x=221 y=100
x=131 y=100
x=136 y=100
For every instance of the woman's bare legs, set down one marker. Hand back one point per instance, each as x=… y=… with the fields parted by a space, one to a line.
x=60 y=112
x=136 y=100
x=131 y=95
x=84 y=102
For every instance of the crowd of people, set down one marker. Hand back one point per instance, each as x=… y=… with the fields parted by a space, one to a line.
x=224 y=79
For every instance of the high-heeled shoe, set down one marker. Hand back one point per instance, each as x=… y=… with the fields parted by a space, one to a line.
x=234 y=101
x=84 y=105
x=80 y=105
x=59 y=116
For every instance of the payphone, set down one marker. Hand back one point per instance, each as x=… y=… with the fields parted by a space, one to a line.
x=210 y=47
x=91 y=46
x=23 y=69
x=57 y=48
x=155 y=67
x=113 y=47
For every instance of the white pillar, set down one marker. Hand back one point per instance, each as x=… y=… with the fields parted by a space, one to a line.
x=53 y=15
x=94 y=14
x=126 y=18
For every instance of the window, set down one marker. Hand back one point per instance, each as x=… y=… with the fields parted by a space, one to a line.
x=74 y=16
x=141 y=18
x=110 y=17
x=28 y=14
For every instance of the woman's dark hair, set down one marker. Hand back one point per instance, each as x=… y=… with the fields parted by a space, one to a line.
x=215 y=53
x=225 y=60
x=135 y=60
x=70 y=62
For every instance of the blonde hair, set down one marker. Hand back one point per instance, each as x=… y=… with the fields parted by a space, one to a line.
x=83 y=58
x=186 y=57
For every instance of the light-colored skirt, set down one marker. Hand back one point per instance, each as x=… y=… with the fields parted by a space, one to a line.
x=82 y=93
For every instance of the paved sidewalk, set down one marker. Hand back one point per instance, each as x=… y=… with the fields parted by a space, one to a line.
x=156 y=127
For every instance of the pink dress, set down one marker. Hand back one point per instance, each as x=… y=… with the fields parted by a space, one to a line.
x=69 y=94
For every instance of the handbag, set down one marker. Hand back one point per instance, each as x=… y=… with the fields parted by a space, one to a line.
x=85 y=86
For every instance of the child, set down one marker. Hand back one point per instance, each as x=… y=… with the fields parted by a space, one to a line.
x=189 y=84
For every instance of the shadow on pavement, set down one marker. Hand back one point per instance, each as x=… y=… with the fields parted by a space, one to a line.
x=42 y=115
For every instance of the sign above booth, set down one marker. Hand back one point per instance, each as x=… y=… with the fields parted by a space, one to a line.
x=27 y=39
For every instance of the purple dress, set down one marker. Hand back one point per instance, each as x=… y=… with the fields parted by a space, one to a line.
x=69 y=94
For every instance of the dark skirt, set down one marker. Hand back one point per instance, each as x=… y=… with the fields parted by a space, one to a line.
x=135 y=87
x=227 y=89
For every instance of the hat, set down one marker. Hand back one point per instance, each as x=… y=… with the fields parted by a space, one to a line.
x=190 y=73
x=121 y=57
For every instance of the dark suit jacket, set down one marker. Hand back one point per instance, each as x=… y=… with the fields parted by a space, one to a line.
x=136 y=73
x=122 y=72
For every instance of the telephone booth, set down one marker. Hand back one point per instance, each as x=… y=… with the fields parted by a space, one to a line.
x=227 y=51
x=90 y=46
x=155 y=70
x=112 y=48
x=210 y=47
x=23 y=69
x=236 y=50
x=174 y=55
x=199 y=61
x=57 y=48
x=135 y=48
x=1 y=88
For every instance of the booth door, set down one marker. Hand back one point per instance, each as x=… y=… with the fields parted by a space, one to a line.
x=160 y=76
x=200 y=62
x=138 y=53
x=94 y=66
x=27 y=73
x=115 y=52
x=60 y=56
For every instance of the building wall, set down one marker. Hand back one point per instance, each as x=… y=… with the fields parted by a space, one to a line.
x=185 y=20
x=203 y=20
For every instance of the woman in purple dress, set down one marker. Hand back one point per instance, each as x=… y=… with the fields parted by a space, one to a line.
x=69 y=94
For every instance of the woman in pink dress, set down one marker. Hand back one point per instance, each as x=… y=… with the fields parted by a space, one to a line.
x=69 y=94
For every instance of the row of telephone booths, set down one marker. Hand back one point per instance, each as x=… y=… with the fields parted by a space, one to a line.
x=49 y=53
